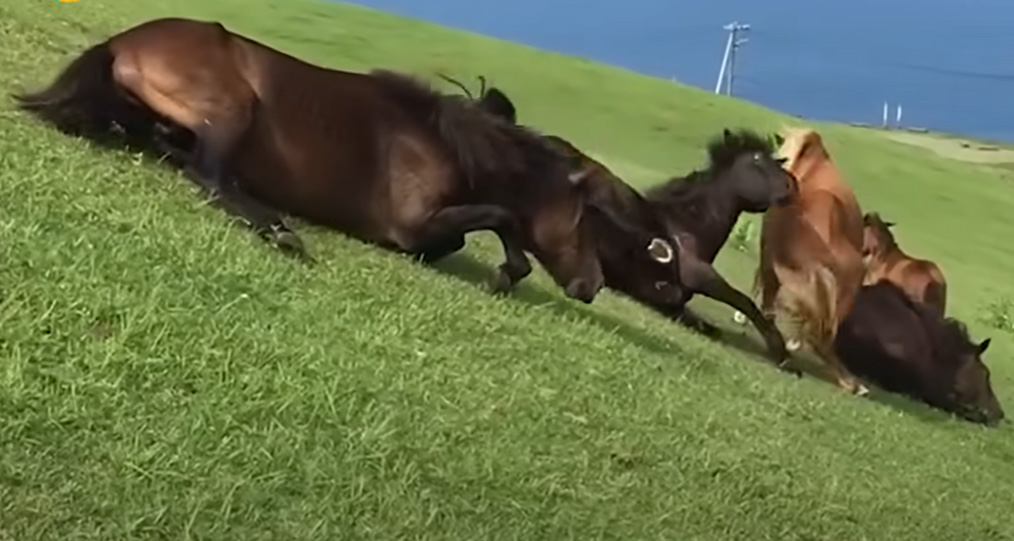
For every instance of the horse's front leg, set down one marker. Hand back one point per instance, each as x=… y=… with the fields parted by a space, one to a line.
x=687 y=317
x=700 y=277
x=444 y=233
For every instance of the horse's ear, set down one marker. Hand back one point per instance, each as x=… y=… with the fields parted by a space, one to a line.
x=494 y=101
x=778 y=139
x=888 y=224
x=726 y=134
x=983 y=346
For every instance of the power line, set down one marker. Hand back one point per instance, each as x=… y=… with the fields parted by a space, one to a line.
x=726 y=73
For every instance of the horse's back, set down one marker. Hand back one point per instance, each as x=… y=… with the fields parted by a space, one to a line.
x=885 y=339
x=351 y=155
x=817 y=225
x=927 y=284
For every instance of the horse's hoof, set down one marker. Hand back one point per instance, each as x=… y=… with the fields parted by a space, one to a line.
x=853 y=386
x=290 y=243
x=711 y=332
x=503 y=283
x=778 y=352
x=786 y=367
x=739 y=317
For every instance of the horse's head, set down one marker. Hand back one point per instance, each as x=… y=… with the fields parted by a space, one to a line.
x=631 y=245
x=746 y=162
x=877 y=235
x=625 y=223
x=969 y=391
x=601 y=232
x=802 y=150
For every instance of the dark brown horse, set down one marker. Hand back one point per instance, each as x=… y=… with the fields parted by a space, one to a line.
x=698 y=211
x=906 y=347
x=379 y=156
x=921 y=279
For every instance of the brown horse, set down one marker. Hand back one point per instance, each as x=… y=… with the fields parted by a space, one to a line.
x=906 y=347
x=378 y=156
x=811 y=263
x=921 y=279
x=698 y=211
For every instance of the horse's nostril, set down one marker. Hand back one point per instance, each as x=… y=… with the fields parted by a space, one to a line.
x=583 y=291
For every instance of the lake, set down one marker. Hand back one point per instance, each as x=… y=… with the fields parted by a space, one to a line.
x=950 y=65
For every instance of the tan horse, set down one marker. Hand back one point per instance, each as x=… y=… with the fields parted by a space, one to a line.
x=920 y=279
x=811 y=265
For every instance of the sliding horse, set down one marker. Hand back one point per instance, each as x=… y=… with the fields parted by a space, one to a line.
x=378 y=156
x=906 y=347
x=698 y=211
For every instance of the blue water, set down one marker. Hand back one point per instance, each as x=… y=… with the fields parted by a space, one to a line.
x=950 y=63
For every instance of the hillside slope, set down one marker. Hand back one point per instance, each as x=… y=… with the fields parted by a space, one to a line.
x=165 y=375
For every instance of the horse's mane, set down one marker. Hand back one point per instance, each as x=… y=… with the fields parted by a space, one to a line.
x=948 y=335
x=722 y=153
x=801 y=145
x=481 y=144
x=952 y=341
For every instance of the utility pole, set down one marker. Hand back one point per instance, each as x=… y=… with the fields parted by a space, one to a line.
x=732 y=45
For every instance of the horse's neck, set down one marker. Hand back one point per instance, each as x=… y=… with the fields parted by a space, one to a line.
x=821 y=176
x=889 y=254
x=709 y=217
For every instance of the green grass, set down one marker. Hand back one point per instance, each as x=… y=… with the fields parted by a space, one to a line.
x=165 y=375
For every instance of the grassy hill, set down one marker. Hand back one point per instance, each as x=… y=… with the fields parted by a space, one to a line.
x=165 y=375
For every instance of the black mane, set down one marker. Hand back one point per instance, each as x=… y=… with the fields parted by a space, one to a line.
x=722 y=153
x=949 y=336
x=484 y=144
x=723 y=150
x=954 y=340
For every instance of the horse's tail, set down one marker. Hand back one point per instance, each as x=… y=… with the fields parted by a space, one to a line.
x=813 y=303
x=78 y=100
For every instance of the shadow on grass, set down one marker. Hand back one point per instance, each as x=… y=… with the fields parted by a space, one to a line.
x=466 y=267
x=810 y=365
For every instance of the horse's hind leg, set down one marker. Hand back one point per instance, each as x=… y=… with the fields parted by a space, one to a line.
x=433 y=253
x=824 y=348
x=218 y=108
x=215 y=143
x=446 y=228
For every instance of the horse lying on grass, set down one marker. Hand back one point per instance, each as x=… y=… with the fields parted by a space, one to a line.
x=906 y=347
x=378 y=156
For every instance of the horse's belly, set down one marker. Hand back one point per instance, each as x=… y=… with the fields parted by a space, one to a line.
x=329 y=177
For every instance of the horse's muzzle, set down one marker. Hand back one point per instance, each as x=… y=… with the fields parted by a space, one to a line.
x=583 y=290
